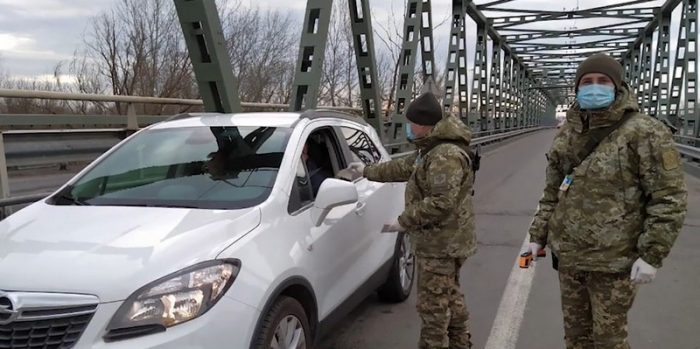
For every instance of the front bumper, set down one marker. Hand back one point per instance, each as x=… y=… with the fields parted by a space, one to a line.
x=229 y=324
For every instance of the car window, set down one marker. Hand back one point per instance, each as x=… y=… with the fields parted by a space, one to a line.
x=199 y=167
x=302 y=192
x=361 y=145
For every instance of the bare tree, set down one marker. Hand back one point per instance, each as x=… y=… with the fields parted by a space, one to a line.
x=137 y=47
x=263 y=47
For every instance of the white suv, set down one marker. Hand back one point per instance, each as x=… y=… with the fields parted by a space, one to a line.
x=207 y=231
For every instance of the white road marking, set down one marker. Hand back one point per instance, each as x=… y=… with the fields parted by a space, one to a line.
x=511 y=310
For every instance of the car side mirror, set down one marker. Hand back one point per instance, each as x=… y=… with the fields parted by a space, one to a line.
x=332 y=193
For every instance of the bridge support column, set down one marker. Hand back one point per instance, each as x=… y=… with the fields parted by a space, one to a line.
x=456 y=70
x=363 y=41
x=312 y=49
x=479 y=82
x=658 y=106
x=494 y=107
x=507 y=88
x=205 y=41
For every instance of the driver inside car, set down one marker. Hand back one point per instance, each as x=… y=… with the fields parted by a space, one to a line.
x=316 y=174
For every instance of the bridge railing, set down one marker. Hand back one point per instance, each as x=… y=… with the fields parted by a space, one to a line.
x=57 y=141
x=32 y=141
x=52 y=147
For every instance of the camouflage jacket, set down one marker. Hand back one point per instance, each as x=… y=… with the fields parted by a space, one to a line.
x=438 y=213
x=627 y=199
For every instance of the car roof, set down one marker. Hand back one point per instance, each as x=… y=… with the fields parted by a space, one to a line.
x=257 y=119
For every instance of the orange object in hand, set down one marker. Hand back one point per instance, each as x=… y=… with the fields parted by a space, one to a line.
x=526 y=258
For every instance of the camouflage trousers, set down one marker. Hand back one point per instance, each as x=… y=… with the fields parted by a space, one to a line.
x=441 y=305
x=595 y=307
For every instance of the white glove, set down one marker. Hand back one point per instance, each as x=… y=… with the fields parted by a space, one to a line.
x=642 y=272
x=357 y=167
x=534 y=248
x=393 y=226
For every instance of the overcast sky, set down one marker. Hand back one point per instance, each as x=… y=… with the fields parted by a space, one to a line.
x=36 y=34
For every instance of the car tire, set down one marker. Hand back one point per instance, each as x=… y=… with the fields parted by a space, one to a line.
x=284 y=311
x=399 y=283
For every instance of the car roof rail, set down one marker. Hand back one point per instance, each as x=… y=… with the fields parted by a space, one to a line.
x=312 y=114
x=183 y=116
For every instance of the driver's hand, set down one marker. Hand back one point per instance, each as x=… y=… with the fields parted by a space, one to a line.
x=357 y=167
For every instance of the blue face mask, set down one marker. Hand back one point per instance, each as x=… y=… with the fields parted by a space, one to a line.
x=595 y=96
x=409 y=132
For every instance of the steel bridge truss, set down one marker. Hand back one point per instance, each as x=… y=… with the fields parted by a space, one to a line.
x=517 y=81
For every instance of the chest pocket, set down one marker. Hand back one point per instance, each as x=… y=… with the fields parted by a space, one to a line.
x=601 y=182
x=603 y=171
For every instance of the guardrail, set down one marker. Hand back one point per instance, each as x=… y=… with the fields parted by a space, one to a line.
x=91 y=149
x=689 y=152
x=688 y=147
x=33 y=149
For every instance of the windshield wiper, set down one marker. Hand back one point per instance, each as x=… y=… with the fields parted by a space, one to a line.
x=74 y=199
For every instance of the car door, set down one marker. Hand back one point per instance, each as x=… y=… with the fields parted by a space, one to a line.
x=333 y=246
x=383 y=202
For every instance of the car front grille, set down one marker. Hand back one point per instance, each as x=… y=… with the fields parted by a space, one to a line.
x=56 y=333
x=44 y=320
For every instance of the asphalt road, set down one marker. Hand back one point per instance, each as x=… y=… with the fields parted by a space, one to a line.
x=508 y=187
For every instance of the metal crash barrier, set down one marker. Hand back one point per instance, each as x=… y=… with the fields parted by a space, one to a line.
x=56 y=148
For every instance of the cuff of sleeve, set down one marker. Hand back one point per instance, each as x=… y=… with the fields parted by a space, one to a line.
x=538 y=240
x=403 y=221
x=652 y=259
x=367 y=172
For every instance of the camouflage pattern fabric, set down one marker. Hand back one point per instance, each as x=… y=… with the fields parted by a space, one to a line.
x=595 y=307
x=438 y=214
x=627 y=199
x=441 y=304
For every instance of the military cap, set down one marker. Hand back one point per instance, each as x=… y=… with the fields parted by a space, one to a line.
x=424 y=110
x=603 y=64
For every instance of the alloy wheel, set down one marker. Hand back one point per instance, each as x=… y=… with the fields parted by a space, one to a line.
x=289 y=334
x=406 y=263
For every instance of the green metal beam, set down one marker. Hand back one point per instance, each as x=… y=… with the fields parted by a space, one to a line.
x=479 y=98
x=427 y=44
x=680 y=63
x=662 y=63
x=494 y=101
x=205 y=41
x=407 y=64
x=363 y=41
x=312 y=49
x=456 y=70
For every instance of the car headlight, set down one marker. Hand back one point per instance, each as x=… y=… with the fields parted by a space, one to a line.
x=174 y=299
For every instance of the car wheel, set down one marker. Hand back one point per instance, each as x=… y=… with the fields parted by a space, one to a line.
x=399 y=284
x=286 y=326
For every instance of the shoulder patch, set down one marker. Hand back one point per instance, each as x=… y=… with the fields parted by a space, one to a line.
x=670 y=159
x=440 y=180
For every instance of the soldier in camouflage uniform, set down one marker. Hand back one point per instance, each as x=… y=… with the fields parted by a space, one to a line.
x=612 y=219
x=438 y=216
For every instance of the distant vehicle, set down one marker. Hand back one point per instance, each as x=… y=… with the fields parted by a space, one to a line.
x=206 y=231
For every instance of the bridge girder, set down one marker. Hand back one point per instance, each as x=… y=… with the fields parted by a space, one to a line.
x=518 y=74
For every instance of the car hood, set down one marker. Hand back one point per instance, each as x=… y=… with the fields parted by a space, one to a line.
x=110 y=251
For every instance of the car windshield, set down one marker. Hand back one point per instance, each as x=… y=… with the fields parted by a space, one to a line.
x=196 y=167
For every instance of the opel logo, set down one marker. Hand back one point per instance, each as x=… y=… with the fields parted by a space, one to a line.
x=8 y=313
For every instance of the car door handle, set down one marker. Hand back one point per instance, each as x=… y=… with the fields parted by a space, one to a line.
x=360 y=210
